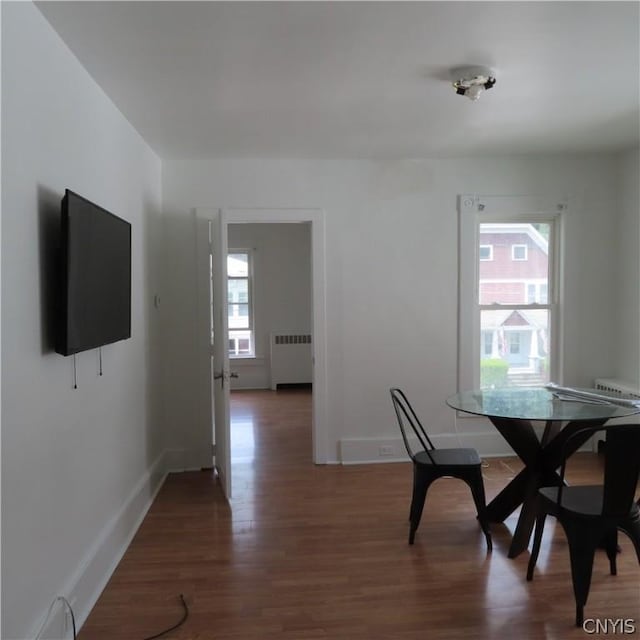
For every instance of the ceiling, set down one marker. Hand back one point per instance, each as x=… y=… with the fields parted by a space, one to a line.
x=362 y=79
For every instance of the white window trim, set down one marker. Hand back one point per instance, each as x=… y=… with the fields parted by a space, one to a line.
x=472 y=210
x=251 y=306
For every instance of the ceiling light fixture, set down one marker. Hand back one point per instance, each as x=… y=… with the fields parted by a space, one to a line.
x=472 y=81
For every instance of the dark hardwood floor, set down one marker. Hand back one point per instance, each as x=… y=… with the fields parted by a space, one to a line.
x=306 y=552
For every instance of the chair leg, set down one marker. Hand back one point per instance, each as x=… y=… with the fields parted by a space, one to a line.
x=420 y=487
x=413 y=492
x=611 y=546
x=537 y=540
x=582 y=547
x=631 y=526
x=477 y=491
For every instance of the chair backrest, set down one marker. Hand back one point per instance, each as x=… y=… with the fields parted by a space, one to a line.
x=408 y=422
x=621 y=467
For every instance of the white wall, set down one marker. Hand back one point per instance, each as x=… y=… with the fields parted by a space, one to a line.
x=626 y=316
x=391 y=244
x=282 y=290
x=78 y=466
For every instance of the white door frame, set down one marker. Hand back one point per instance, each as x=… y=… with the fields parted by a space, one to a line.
x=316 y=219
x=213 y=384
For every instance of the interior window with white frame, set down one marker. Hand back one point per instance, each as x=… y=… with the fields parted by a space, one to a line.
x=240 y=303
x=509 y=305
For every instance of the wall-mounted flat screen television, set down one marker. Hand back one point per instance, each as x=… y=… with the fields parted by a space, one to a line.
x=95 y=277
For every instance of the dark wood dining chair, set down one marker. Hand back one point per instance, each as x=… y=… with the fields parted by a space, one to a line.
x=592 y=515
x=430 y=463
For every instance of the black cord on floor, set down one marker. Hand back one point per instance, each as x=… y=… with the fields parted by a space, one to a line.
x=73 y=619
x=69 y=609
x=185 y=615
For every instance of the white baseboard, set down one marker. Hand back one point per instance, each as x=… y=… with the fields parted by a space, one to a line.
x=237 y=387
x=369 y=450
x=489 y=444
x=94 y=570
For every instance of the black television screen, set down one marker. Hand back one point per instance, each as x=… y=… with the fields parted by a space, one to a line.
x=95 y=286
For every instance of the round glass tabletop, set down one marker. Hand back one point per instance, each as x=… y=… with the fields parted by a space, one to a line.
x=536 y=403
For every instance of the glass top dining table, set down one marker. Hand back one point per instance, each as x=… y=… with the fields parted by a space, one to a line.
x=513 y=410
x=537 y=403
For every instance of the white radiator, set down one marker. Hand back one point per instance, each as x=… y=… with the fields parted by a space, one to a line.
x=290 y=358
x=618 y=387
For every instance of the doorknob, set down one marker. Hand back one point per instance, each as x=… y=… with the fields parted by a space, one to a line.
x=219 y=376
x=224 y=376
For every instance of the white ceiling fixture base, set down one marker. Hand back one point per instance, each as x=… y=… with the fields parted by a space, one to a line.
x=472 y=82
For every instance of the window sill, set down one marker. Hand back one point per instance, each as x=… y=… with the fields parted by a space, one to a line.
x=246 y=359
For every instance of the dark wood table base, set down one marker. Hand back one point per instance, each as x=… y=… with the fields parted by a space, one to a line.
x=541 y=457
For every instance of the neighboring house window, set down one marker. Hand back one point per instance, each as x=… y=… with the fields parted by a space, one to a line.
x=519 y=252
x=487 y=339
x=509 y=305
x=240 y=303
x=537 y=293
x=486 y=252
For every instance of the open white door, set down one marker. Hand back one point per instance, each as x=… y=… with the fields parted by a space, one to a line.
x=213 y=354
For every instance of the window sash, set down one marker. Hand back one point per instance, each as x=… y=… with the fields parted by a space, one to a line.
x=474 y=210
x=240 y=313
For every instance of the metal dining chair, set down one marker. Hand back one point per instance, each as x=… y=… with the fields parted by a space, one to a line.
x=592 y=515
x=430 y=463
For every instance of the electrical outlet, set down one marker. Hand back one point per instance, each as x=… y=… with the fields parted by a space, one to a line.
x=386 y=450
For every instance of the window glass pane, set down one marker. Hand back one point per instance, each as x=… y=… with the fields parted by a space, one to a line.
x=519 y=251
x=537 y=293
x=519 y=353
x=486 y=252
x=238 y=316
x=240 y=343
x=238 y=265
x=239 y=304
x=531 y=293
x=520 y=258
x=238 y=291
x=487 y=341
x=543 y=294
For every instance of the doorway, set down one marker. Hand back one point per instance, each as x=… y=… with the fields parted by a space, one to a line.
x=270 y=319
x=315 y=220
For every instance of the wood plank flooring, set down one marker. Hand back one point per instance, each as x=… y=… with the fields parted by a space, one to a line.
x=307 y=552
